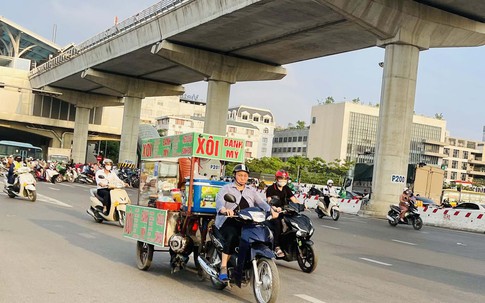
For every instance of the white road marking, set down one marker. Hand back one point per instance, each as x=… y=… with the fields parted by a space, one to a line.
x=52 y=201
x=331 y=227
x=461 y=244
x=403 y=242
x=54 y=188
x=375 y=261
x=88 y=236
x=355 y=220
x=308 y=298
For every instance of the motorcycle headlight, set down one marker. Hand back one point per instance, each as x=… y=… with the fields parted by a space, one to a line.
x=311 y=231
x=300 y=233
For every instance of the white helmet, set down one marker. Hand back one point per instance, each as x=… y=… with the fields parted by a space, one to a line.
x=329 y=182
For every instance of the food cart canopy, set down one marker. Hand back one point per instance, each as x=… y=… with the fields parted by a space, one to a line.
x=194 y=145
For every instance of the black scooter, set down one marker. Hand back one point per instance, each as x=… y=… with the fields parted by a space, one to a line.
x=295 y=237
x=412 y=216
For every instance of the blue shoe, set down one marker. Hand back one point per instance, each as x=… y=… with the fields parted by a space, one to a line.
x=223 y=277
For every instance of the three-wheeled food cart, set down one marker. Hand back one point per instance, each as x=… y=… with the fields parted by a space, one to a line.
x=178 y=184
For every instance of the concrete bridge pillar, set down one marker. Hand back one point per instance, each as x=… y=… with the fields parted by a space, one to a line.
x=220 y=71
x=133 y=90
x=395 y=124
x=80 y=142
x=129 y=129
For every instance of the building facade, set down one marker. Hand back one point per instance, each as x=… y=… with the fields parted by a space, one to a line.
x=348 y=131
x=290 y=142
x=261 y=118
x=463 y=160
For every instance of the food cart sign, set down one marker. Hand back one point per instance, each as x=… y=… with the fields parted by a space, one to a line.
x=145 y=224
x=194 y=144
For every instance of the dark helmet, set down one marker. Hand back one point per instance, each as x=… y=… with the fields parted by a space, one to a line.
x=18 y=158
x=240 y=167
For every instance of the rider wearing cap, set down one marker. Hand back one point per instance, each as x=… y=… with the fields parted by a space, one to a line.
x=280 y=189
x=105 y=177
x=230 y=228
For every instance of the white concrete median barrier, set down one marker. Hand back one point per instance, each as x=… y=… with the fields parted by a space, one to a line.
x=461 y=219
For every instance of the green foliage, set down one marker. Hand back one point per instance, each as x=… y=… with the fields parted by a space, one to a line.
x=314 y=170
x=356 y=101
x=300 y=124
x=329 y=100
x=438 y=116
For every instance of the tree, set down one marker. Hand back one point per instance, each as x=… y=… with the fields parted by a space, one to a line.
x=438 y=116
x=329 y=100
x=300 y=124
x=356 y=101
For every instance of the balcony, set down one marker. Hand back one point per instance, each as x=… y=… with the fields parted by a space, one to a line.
x=433 y=142
x=434 y=154
x=477 y=162
x=476 y=173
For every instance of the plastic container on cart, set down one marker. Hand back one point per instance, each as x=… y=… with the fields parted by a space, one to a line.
x=205 y=192
x=172 y=206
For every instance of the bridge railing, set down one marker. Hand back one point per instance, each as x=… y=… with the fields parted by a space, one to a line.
x=139 y=19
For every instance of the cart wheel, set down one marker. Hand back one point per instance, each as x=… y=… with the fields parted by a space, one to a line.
x=144 y=255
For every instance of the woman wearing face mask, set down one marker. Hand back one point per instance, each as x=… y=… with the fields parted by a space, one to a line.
x=284 y=193
x=105 y=177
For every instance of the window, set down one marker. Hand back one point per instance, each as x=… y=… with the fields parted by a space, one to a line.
x=249 y=144
x=266 y=120
x=250 y=132
x=280 y=139
x=275 y=150
x=275 y=140
x=304 y=149
x=299 y=149
x=285 y=139
x=304 y=138
x=453 y=175
x=231 y=129
x=300 y=138
x=294 y=139
x=248 y=155
x=465 y=155
x=293 y=149
x=244 y=117
x=314 y=120
x=256 y=118
x=289 y=139
x=454 y=164
x=179 y=122
x=446 y=151
x=263 y=150
x=266 y=130
x=463 y=177
x=463 y=165
x=455 y=153
x=265 y=140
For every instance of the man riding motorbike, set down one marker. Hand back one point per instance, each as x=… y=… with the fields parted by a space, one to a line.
x=404 y=200
x=228 y=226
x=284 y=193
x=329 y=191
x=105 y=177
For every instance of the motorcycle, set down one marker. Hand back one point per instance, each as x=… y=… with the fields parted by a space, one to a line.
x=295 y=238
x=68 y=174
x=117 y=212
x=332 y=210
x=24 y=185
x=412 y=216
x=51 y=175
x=255 y=260
x=85 y=178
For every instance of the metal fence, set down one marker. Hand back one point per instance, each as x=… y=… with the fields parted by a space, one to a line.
x=137 y=20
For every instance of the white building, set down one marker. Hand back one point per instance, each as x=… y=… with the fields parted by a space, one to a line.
x=463 y=160
x=348 y=131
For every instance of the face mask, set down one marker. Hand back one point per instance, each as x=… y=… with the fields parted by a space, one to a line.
x=282 y=183
x=108 y=167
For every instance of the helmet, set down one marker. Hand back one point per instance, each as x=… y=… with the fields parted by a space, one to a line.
x=409 y=192
x=18 y=158
x=240 y=167
x=329 y=182
x=107 y=161
x=282 y=174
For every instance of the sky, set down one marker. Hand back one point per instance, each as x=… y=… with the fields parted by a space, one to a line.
x=451 y=81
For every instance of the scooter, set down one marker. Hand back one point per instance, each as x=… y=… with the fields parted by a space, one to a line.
x=332 y=210
x=255 y=258
x=24 y=185
x=412 y=216
x=85 y=179
x=117 y=212
x=295 y=238
x=51 y=175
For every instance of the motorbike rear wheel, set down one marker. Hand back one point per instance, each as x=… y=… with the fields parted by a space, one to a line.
x=144 y=255
x=10 y=194
x=335 y=214
x=417 y=223
x=307 y=260
x=268 y=288
x=31 y=195
x=59 y=178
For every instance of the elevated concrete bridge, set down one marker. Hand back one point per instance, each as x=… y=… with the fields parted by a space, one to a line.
x=183 y=41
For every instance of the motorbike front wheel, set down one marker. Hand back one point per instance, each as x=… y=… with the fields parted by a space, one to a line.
x=392 y=222
x=335 y=214
x=121 y=218
x=31 y=195
x=59 y=178
x=307 y=259
x=267 y=289
x=144 y=255
x=417 y=223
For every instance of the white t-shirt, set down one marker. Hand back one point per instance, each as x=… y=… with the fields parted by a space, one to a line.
x=109 y=178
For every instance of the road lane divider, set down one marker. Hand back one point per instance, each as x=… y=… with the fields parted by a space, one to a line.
x=51 y=200
x=308 y=298
x=375 y=261
x=330 y=227
x=460 y=219
x=404 y=242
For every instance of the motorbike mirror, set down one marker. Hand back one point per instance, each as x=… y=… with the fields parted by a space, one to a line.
x=348 y=182
x=229 y=198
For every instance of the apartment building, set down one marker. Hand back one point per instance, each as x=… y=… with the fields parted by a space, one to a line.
x=290 y=142
x=463 y=160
